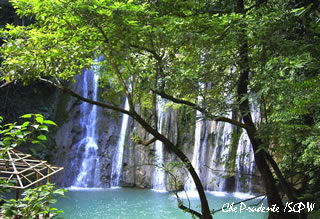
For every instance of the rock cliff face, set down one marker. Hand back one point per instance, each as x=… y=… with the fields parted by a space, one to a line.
x=138 y=160
x=69 y=134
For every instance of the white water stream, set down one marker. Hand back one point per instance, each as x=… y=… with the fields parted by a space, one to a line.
x=190 y=185
x=118 y=156
x=158 y=175
x=89 y=174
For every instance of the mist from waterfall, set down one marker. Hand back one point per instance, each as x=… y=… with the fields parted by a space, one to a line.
x=158 y=175
x=89 y=173
x=118 y=155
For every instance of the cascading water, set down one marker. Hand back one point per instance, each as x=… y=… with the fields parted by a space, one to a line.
x=89 y=174
x=245 y=165
x=190 y=186
x=158 y=175
x=220 y=156
x=118 y=156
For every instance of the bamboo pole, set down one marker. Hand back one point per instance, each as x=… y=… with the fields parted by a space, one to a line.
x=17 y=192
x=38 y=181
x=48 y=179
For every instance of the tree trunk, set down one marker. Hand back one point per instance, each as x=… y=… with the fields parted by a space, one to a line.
x=205 y=210
x=268 y=179
x=271 y=189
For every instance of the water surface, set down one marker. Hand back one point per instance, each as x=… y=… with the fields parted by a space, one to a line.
x=141 y=203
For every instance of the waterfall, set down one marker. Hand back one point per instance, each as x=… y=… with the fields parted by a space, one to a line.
x=245 y=165
x=118 y=156
x=190 y=186
x=89 y=174
x=220 y=156
x=158 y=175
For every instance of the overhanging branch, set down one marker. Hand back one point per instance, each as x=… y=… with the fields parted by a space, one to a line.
x=175 y=100
x=68 y=91
x=202 y=110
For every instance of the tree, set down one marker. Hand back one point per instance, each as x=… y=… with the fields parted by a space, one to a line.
x=244 y=51
x=113 y=35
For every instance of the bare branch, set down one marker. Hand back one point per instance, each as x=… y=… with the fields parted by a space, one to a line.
x=180 y=202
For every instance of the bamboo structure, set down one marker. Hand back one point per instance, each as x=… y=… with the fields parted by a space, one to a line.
x=22 y=170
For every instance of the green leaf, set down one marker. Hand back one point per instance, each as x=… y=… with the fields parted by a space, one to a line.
x=59 y=191
x=49 y=122
x=26 y=116
x=35 y=142
x=43 y=128
x=42 y=137
x=25 y=124
x=39 y=119
x=297 y=9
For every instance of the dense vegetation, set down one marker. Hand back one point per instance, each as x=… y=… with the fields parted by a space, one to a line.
x=35 y=202
x=212 y=56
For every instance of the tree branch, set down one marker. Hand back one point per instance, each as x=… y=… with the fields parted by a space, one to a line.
x=206 y=113
x=146 y=143
x=175 y=100
x=117 y=71
x=189 y=210
x=153 y=52
x=180 y=203
x=68 y=91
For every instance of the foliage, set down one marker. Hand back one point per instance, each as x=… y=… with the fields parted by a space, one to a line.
x=14 y=134
x=35 y=202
